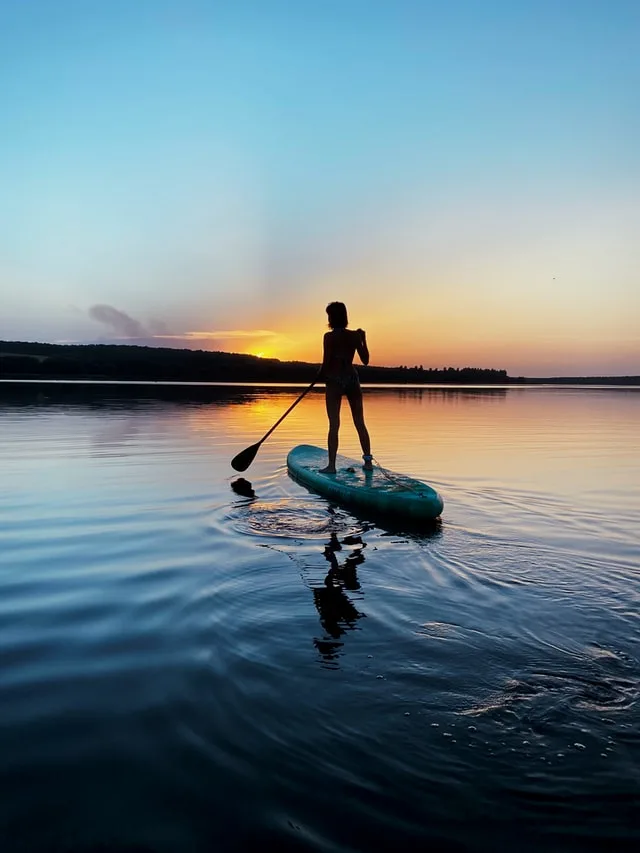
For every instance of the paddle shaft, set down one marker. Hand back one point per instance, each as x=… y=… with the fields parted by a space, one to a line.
x=242 y=461
x=292 y=406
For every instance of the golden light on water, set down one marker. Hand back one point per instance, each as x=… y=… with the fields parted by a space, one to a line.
x=442 y=435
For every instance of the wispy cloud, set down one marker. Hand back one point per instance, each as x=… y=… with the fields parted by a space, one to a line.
x=124 y=327
x=222 y=334
x=122 y=324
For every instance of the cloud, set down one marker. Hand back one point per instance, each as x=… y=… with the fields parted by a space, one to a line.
x=157 y=334
x=121 y=323
x=223 y=334
x=159 y=328
x=126 y=326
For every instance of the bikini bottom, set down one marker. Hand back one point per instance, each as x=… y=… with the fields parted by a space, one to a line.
x=344 y=382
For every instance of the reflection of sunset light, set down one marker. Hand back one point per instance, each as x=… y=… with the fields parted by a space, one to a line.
x=267 y=409
x=478 y=437
x=256 y=416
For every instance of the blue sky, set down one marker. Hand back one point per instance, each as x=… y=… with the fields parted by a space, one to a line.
x=464 y=174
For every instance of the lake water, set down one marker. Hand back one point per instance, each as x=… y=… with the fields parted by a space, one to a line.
x=186 y=669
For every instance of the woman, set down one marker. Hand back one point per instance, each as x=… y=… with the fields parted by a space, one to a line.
x=339 y=346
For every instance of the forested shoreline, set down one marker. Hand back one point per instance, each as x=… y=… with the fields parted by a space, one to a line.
x=122 y=362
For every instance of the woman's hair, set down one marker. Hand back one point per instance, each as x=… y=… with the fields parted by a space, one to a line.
x=337 y=312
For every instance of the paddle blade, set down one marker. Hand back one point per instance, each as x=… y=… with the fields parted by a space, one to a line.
x=242 y=461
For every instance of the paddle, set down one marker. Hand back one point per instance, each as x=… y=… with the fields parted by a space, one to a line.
x=242 y=461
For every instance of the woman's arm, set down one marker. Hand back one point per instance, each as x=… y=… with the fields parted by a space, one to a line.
x=361 y=346
x=326 y=353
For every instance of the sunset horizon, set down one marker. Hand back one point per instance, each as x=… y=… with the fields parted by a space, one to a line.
x=194 y=344
x=465 y=178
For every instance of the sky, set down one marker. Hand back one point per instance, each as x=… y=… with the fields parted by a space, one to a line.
x=464 y=175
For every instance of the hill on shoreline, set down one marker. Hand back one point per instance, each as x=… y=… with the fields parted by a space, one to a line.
x=122 y=362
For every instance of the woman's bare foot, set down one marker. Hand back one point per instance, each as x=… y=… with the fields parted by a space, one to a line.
x=328 y=470
x=368 y=463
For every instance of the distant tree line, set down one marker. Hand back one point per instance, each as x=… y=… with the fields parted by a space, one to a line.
x=26 y=360
x=121 y=362
x=430 y=375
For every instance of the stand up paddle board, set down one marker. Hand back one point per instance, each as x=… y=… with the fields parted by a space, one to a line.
x=379 y=491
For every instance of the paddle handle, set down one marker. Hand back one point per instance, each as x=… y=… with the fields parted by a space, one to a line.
x=292 y=406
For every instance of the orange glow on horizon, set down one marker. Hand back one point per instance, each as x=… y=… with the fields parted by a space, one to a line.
x=439 y=332
x=519 y=357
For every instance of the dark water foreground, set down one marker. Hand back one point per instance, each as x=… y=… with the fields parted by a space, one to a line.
x=188 y=668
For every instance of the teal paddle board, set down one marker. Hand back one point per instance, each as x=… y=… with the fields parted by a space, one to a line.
x=379 y=491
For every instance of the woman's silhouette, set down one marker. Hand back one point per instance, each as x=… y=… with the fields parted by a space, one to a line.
x=339 y=347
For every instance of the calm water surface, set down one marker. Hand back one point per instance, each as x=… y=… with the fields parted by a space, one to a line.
x=183 y=668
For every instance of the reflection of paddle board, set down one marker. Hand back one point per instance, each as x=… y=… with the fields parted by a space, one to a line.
x=380 y=491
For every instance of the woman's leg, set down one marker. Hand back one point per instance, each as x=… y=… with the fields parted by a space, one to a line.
x=332 y=398
x=357 y=411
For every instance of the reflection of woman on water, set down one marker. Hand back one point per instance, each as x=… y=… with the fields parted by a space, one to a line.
x=340 y=376
x=337 y=613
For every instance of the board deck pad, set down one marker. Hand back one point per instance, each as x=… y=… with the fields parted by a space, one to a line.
x=379 y=490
